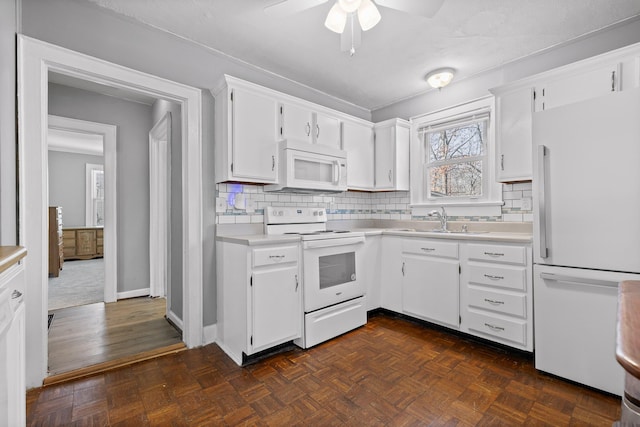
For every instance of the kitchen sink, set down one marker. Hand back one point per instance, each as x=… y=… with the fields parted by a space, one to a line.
x=453 y=232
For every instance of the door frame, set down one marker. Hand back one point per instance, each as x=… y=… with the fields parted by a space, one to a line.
x=35 y=59
x=160 y=210
x=109 y=138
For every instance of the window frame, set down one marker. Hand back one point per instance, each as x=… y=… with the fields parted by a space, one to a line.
x=90 y=199
x=490 y=202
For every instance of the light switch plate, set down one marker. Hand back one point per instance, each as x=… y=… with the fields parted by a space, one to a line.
x=250 y=205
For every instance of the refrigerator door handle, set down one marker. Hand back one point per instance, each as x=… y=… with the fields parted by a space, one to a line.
x=579 y=280
x=542 y=152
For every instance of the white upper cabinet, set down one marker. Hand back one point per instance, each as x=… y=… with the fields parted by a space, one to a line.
x=392 y=155
x=246 y=135
x=357 y=141
x=514 y=111
x=304 y=124
x=327 y=130
x=589 y=82
x=296 y=123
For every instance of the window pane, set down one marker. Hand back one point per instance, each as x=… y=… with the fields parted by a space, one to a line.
x=455 y=142
x=456 y=180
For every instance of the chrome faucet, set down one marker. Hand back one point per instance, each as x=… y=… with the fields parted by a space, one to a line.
x=442 y=217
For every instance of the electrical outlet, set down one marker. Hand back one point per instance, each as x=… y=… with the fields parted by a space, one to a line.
x=526 y=204
x=221 y=204
x=250 y=205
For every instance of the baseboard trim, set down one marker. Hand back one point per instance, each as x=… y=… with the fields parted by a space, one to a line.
x=135 y=293
x=175 y=320
x=209 y=334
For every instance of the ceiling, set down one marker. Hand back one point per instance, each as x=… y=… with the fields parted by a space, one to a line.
x=469 y=35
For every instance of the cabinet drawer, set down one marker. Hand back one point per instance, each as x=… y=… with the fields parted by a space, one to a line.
x=498 y=253
x=511 y=330
x=431 y=248
x=501 y=302
x=270 y=256
x=500 y=276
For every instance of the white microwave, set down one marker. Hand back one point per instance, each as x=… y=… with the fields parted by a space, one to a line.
x=310 y=168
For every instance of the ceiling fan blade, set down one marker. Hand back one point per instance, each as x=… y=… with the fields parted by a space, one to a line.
x=289 y=7
x=351 y=37
x=426 y=8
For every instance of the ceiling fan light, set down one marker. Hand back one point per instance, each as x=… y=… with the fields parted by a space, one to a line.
x=349 y=6
x=368 y=15
x=336 y=19
x=440 y=78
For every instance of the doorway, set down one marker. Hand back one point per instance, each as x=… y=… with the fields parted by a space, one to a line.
x=36 y=60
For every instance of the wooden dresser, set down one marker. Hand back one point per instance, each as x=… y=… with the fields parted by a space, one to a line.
x=83 y=242
x=56 y=245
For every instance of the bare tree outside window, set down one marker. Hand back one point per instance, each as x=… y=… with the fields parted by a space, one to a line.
x=455 y=160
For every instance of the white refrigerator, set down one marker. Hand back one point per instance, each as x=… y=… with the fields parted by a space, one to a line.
x=586 y=193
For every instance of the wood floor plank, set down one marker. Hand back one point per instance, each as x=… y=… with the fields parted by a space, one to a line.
x=109 y=334
x=366 y=377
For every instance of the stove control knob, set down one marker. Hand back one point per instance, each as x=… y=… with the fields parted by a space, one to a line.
x=320 y=213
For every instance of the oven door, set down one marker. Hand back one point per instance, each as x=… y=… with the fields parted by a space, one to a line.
x=331 y=271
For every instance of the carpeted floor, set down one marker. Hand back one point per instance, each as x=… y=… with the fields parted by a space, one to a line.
x=80 y=282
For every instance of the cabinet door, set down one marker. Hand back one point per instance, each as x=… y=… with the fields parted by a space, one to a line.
x=357 y=141
x=327 y=130
x=385 y=158
x=254 y=133
x=578 y=86
x=514 y=150
x=430 y=289
x=391 y=274
x=85 y=242
x=297 y=123
x=276 y=310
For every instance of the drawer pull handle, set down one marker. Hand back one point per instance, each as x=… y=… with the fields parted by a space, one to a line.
x=428 y=249
x=494 y=302
x=489 y=276
x=494 y=327
x=278 y=257
x=494 y=253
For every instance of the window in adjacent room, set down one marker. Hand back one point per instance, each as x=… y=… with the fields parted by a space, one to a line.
x=95 y=195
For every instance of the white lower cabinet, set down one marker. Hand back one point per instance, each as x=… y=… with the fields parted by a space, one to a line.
x=496 y=294
x=391 y=274
x=259 y=297
x=431 y=281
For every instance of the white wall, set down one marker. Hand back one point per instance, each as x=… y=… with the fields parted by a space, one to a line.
x=134 y=121
x=67 y=184
x=8 y=27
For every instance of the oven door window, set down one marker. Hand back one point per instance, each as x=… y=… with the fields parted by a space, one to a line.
x=337 y=269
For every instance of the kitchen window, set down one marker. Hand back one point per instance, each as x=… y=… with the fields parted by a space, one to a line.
x=452 y=161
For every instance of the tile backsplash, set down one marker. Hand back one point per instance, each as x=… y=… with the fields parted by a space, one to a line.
x=357 y=205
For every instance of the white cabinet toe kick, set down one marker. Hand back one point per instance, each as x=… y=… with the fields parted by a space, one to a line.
x=329 y=322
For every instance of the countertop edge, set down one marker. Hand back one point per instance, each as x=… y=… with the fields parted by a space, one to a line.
x=258 y=239
x=627 y=339
x=11 y=255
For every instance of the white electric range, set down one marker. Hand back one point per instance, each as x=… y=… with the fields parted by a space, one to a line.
x=334 y=294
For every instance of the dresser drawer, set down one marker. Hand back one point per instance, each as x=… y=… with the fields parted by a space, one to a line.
x=499 y=276
x=431 y=248
x=270 y=256
x=510 y=330
x=498 y=253
x=500 y=302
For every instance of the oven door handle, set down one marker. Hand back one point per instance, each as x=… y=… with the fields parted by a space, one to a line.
x=331 y=243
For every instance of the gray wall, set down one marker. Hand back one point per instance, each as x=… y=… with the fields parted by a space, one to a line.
x=8 y=27
x=67 y=184
x=84 y=27
x=160 y=107
x=478 y=86
x=134 y=121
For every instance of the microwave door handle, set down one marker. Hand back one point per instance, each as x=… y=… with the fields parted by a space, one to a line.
x=336 y=172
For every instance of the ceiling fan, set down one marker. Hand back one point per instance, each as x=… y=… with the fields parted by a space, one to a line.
x=350 y=17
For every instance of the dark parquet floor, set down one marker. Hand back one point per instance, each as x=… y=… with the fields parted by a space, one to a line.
x=390 y=372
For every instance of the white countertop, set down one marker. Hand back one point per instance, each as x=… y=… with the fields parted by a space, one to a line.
x=493 y=236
